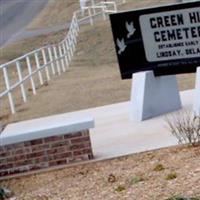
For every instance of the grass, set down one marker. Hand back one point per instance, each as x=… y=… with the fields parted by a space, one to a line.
x=20 y=48
x=136 y=179
x=120 y=188
x=171 y=176
x=159 y=167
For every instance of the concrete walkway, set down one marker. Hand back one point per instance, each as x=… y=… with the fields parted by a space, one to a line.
x=115 y=135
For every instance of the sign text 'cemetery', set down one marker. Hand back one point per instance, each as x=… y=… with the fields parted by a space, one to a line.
x=163 y=39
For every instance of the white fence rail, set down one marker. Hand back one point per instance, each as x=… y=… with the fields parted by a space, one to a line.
x=41 y=64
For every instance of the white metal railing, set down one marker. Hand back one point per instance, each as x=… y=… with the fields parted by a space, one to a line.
x=49 y=60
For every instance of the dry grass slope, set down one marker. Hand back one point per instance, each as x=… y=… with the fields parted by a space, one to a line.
x=92 y=80
x=22 y=47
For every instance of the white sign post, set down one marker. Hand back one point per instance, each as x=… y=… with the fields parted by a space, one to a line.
x=152 y=96
x=164 y=40
x=196 y=107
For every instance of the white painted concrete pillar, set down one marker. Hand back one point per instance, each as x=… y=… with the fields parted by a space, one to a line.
x=153 y=96
x=7 y=84
x=19 y=71
x=28 y=62
x=196 y=106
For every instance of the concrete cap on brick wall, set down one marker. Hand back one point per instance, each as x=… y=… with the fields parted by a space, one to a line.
x=44 y=127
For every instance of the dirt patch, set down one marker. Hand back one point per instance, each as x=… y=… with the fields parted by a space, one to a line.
x=134 y=177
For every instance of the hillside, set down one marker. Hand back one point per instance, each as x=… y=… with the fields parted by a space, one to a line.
x=92 y=80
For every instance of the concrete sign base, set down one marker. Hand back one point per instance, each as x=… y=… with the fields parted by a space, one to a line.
x=196 y=107
x=152 y=96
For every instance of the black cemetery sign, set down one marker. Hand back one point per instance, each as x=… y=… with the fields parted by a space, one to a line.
x=164 y=39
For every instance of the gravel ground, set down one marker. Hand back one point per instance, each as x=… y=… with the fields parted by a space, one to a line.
x=154 y=175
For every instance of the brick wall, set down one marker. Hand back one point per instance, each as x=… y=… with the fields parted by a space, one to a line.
x=38 y=154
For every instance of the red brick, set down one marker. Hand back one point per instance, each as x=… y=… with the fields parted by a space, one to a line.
x=78 y=152
x=81 y=139
x=59 y=144
x=3 y=160
x=33 y=142
x=87 y=144
x=27 y=143
x=21 y=151
x=34 y=167
x=39 y=147
x=36 y=142
x=53 y=138
x=41 y=159
x=50 y=157
x=62 y=155
x=5 y=154
x=16 y=158
x=39 y=166
x=4 y=173
x=42 y=153
x=58 y=162
x=24 y=168
x=6 y=166
x=52 y=163
x=77 y=146
x=36 y=154
x=80 y=145
x=23 y=162
x=19 y=170
x=2 y=149
x=56 y=150
x=87 y=151
x=82 y=151
x=73 y=135
x=14 y=171
x=14 y=146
